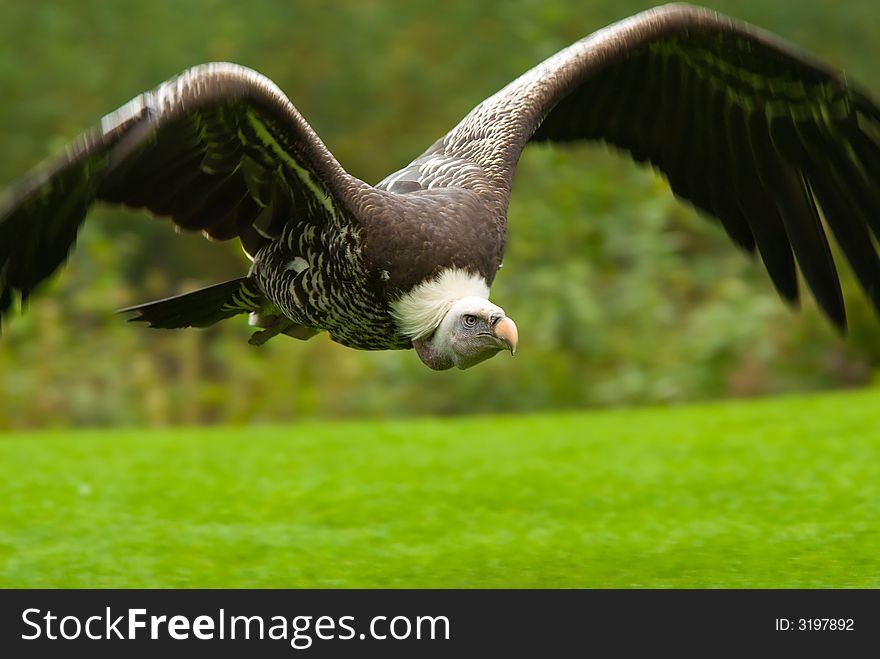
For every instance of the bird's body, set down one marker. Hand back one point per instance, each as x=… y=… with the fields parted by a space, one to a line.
x=307 y=273
x=749 y=130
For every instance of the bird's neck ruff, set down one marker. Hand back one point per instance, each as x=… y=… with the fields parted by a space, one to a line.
x=420 y=311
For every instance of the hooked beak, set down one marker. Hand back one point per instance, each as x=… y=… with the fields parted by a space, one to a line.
x=506 y=334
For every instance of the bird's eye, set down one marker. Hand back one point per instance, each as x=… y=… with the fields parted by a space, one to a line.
x=469 y=320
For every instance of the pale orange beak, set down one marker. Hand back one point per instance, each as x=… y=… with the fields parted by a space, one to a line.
x=505 y=332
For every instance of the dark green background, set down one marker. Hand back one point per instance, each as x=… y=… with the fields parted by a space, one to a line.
x=622 y=294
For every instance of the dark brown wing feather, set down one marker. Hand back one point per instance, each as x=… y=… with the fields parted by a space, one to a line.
x=218 y=149
x=744 y=126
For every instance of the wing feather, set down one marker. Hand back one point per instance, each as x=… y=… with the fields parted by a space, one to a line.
x=747 y=128
x=720 y=186
x=760 y=211
x=219 y=149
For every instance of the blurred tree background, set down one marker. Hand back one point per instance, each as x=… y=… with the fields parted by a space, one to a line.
x=622 y=294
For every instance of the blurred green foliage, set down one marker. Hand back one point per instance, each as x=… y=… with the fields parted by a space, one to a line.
x=622 y=294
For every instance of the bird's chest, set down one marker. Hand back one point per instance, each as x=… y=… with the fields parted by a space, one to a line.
x=421 y=234
x=317 y=277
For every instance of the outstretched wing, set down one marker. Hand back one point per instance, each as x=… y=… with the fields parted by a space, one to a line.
x=744 y=126
x=218 y=149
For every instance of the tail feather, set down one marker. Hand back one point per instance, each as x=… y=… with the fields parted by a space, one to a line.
x=202 y=307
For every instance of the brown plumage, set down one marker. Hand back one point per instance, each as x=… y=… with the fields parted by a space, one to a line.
x=753 y=132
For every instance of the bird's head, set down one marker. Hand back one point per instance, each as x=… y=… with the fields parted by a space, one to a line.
x=472 y=330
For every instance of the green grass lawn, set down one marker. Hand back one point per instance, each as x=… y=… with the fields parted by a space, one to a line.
x=771 y=493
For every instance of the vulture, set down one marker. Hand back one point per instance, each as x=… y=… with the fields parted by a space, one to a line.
x=756 y=134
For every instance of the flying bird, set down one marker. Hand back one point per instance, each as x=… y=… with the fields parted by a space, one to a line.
x=753 y=132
